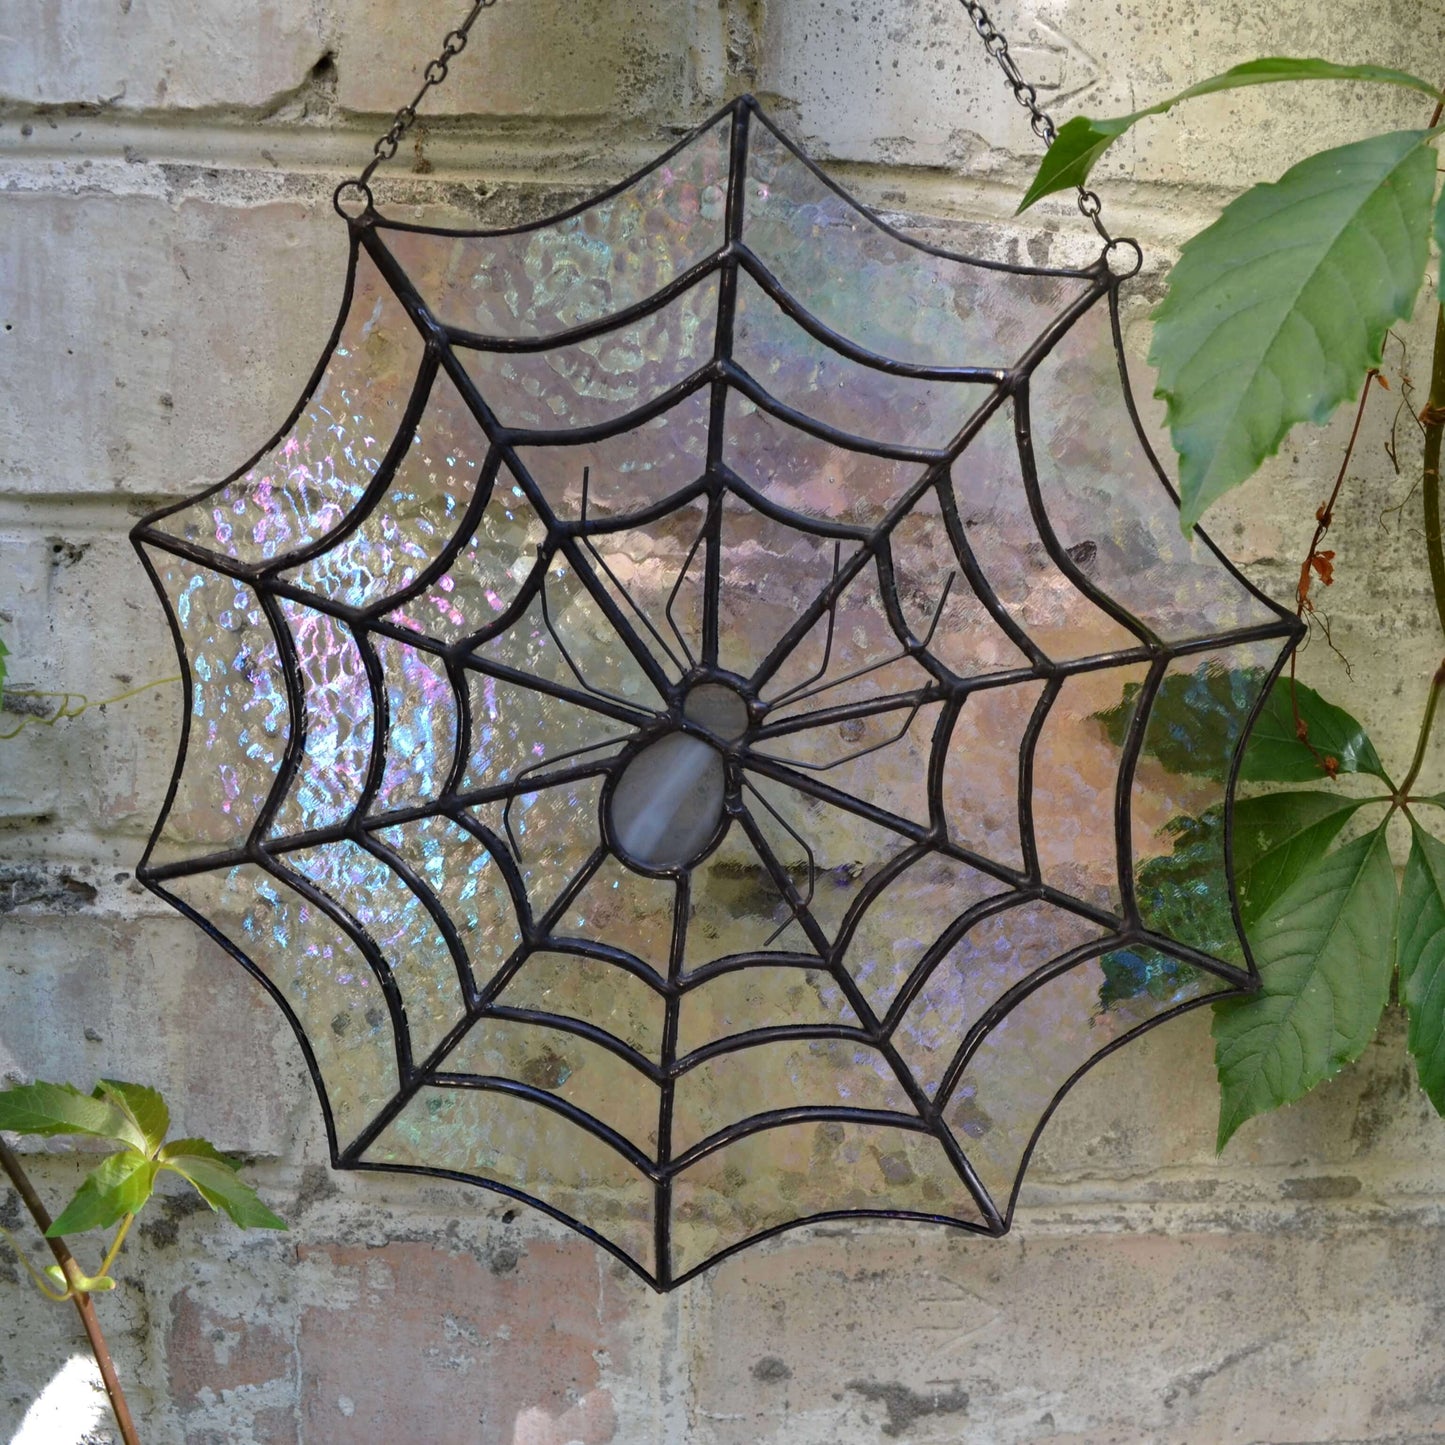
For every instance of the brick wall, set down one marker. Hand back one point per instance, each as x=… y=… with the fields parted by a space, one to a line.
x=171 y=266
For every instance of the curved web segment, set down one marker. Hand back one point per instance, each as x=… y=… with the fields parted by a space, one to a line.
x=689 y=717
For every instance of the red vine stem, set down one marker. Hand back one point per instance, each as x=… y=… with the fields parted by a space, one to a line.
x=1432 y=418
x=1319 y=562
x=83 y=1302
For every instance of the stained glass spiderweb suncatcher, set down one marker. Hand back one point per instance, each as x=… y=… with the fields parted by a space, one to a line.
x=680 y=717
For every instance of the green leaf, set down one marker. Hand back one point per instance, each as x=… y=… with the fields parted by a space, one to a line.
x=1275 y=754
x=219 y=1185
x=1439 y=244
x=201 y=1148
x=47 y=1109
x=1325 y=952
x=119 y=1186
x=144 y=1107
x=1275 y=312
x=1278 y=838
x=1080 y=141
x=1194 y=719
x=1076 y=150
x=1131 y=973
x=1420 y=952
x=1179 y=892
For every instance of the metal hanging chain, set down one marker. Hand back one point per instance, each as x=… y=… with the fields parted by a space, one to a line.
x=433 y=75
x=455 y=42
x=1040 y=121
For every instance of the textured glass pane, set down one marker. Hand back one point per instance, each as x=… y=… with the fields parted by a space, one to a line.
x=851 y=655
x=574 y=1069
x=482 y=582
x=1033 y=1051
x=320 y=973
x=877 y=290
x=603 y=379
x=567 y=637
x=418 y=514
x=787 y=1074
x=998 y=953
x=991 y=504
x=552 y=834
x=239 y=718
x=1076 y=765
x=304 y=485
x=939 y=603
x=520 y=734
x=465 y=880
x=654 y=577
x=605 y=257
x=502 y=1139
x=630 y=471
x=783 y=1175
x=639 y=719
x=758 y=996
x=340 y=724
x=903 y=919
x=774 y=572
x=824 y=385
x=831 y=854
x=981 y=772
x=1106 y=501
x=736 y=905
x=595 y=991
x=421 y=737
x=806 y=474
x=1195 y=724
x=393 y=917
x=625 y=910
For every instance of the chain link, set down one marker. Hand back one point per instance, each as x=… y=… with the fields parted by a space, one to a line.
x=1040 y=121
x=436 y=72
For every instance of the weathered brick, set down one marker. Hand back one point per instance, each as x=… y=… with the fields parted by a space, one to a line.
x=165 y=1007
x=1141 y=1126
x=82 y=624
x=905 y=83
x=1279 y=1336
x=125 y=56
x=167 y=344
x=554 y=58
x=151 y=341
x=423 y=1341
x=208 y=1351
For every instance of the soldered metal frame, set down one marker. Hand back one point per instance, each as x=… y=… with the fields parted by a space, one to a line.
x=571 y=539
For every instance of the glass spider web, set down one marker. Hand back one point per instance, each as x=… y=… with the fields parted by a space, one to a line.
x=681 y=718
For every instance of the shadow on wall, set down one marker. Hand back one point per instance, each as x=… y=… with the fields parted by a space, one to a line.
x=66 y=1411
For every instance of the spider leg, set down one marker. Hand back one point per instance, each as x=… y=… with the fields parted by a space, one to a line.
x=802 y=842
x=676 y=588
x=552 y=762
x=568 y=659
x=827 y=639
x=632 y=603
x=903 y=653
x=862 y=752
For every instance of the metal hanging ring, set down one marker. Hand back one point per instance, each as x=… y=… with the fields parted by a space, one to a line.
x=353 y=200
x=1119 y=268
